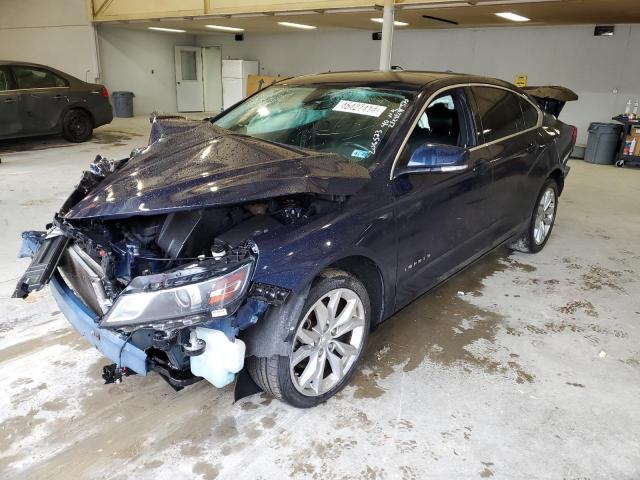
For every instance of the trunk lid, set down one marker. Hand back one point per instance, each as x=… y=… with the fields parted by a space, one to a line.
x=552 y=98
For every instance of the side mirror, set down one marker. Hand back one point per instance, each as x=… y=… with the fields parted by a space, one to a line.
x=429 y=158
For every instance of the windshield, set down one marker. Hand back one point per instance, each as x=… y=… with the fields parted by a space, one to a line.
x=351 y=121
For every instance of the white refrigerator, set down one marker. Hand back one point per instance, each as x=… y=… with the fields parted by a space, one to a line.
x=234 y=80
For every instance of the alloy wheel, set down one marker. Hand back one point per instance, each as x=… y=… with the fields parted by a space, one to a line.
x=328 y=342
x=545 y=216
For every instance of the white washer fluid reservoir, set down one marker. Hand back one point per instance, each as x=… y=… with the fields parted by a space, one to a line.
x=221 y=359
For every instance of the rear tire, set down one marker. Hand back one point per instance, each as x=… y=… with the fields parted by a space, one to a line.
x=77 y=126
x=543 y=217
x=328 y=341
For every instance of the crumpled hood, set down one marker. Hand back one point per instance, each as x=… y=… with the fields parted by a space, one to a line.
x=194 y=164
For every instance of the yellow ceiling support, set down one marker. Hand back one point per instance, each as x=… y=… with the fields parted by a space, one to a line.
x=122 y=10
x=230 y=7
x=112 y=10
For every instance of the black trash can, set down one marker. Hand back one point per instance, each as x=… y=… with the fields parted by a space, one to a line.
x=123 y=104
x=603 y=143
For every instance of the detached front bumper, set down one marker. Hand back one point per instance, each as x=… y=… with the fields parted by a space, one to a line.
x=110 y=344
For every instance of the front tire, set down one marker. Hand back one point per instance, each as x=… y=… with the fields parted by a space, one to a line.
x=328 y=341
x=77 y=126
x=543 y=217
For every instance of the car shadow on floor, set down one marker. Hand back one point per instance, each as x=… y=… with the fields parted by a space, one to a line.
x=114 y=138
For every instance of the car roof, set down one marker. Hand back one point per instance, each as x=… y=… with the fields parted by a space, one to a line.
x=408 y=79
x=26 y=64
x=70 y=78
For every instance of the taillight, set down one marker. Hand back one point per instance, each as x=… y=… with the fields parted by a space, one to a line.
x=574 y=134
x=104 y=92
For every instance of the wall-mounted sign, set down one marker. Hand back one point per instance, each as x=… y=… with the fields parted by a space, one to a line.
x=521 y=80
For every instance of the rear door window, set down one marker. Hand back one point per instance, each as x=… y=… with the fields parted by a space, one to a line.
x=529 y=113
x=499 y=111
x=29 y=77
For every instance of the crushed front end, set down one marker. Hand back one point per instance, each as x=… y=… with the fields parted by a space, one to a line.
x=148 y=300
x=168 y=293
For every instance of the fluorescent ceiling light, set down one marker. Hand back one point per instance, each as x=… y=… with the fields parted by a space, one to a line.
x=514 y=17
x=161 y=29
x=395 y=22
x=224 y=28
x=297 y=25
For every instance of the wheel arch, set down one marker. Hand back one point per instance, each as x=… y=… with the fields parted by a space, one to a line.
x=78 y=106
x=369 y=273
x=272 y=334
x=558 y=176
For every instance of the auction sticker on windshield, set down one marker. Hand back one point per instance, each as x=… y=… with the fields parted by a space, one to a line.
x=359 y=108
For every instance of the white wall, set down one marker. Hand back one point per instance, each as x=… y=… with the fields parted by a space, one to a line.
x=58 y=34
x=142 y=62
x=53 y=33
x=569 y=56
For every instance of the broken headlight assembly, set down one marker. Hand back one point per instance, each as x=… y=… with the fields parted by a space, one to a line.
x=184 y=297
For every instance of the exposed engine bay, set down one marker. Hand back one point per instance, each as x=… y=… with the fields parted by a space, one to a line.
x=216 y=237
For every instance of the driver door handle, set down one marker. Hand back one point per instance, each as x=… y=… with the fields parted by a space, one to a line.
x=9 y=100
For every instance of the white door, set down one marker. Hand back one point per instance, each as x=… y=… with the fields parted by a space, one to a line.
x=212 y=68
x=189 y=83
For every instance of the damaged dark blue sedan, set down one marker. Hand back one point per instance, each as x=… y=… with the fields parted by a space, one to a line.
x=264 y=243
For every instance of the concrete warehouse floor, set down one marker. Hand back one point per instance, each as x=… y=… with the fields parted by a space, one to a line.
x=521 y=367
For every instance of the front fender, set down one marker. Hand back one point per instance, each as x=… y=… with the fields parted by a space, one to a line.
x=294 y=259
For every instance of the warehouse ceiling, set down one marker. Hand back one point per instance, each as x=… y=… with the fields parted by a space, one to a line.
x=462 y=14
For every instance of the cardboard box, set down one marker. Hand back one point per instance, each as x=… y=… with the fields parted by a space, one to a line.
x=635 y=133
x=258 y=82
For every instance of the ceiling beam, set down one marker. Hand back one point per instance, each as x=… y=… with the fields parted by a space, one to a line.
x=113 y=10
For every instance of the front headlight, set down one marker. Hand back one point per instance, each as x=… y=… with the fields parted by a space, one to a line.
x=217 y=296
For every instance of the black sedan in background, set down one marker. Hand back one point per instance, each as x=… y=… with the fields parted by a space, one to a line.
x=40 y=100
